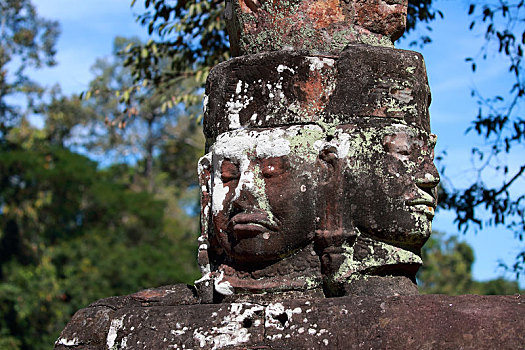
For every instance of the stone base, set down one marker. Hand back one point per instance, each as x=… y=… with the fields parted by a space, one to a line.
x=171 y=318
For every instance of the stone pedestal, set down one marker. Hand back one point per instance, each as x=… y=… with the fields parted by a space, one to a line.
x=168 y=318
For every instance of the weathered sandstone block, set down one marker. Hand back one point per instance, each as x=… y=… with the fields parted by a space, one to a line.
x=155 y=319
x=317 y=26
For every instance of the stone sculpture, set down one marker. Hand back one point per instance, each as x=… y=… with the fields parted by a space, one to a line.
x=319 y=178
x=319 y=26
x=318 y=182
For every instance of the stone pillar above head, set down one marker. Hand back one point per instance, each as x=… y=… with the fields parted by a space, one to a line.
x=317 y=26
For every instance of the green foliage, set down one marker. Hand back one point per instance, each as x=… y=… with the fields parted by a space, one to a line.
x=419 y=12
x=447 y=270
x=26 y=40
x=139 y=120
x=71 y=234
x=192 y=39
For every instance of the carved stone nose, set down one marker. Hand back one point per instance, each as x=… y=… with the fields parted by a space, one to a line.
x=245 y=200
x=428 y=181
x=245 y=196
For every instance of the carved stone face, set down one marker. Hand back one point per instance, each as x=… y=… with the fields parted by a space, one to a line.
x=390 y=183
x=263 y=192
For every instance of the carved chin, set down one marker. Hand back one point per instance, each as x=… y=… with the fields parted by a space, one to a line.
x=255 y=249
x=406 y=226
x=265 y=247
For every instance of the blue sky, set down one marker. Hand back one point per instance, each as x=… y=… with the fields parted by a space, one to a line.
x=88 y=29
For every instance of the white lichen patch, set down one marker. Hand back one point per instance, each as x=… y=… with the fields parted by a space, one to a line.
x=281 y=68
x=205 y=104
x=116 y=324
x=237 y=102
x=179 y=331
x=219 y=194
x=206 y=277
x=67 y=342
x=318 y=63
x=274 y=336
x=223 y=287
x=231 y=331
x=272 y=145
x=124 y=343
x=274 y=312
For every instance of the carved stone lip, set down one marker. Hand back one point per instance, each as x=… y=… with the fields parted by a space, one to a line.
x=247 y=225
x=422 y=201
x=424 y=207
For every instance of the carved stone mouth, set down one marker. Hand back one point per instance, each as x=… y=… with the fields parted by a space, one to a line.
x=422 y=201
x=423 y=206
x=246 y=225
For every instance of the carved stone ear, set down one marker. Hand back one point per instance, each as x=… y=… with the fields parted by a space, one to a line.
x=204 y=170
x=205 y=284
x=328 y=207
x=328 y=156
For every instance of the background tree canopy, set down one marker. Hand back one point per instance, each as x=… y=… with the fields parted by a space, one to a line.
x=102 y=199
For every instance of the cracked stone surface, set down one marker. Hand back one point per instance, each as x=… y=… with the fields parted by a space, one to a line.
x=318 y=26
x=155 y=319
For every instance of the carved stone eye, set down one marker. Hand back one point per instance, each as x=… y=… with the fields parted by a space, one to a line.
x=229 y=171
x=271 y=167
x=399 y=145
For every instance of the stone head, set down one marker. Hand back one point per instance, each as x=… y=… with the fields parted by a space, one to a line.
x=389 y=181
x=318 y=156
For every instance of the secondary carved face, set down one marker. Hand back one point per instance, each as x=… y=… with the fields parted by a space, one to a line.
x=391 y=183
x=263 y=192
